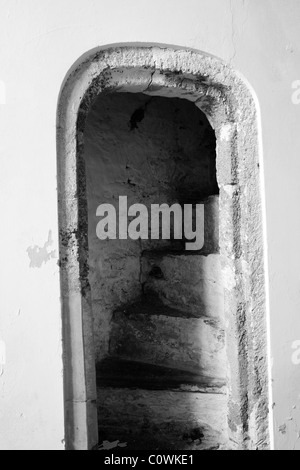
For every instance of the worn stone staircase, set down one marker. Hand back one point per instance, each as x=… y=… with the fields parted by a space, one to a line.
x=163 y=385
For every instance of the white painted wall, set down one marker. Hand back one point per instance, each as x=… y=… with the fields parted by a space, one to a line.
x=40 y=40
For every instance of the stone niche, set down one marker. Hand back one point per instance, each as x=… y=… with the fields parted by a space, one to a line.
x=163 y=348
x=158 y=309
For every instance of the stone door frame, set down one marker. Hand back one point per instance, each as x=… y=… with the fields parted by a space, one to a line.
x=231 y=107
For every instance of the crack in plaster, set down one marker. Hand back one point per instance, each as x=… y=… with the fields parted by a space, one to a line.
x=150 y=81
x=233 y=34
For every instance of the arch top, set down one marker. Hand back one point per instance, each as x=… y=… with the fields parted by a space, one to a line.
x=170 y=71
x=159 y=70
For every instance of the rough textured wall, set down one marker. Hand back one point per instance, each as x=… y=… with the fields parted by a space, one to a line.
x=152 y=150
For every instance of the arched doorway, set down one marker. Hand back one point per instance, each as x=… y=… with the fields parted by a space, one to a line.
x=231 y=110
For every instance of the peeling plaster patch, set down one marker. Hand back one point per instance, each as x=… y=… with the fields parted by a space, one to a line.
x=106 y=445
x=38 y=255
x=282 y=429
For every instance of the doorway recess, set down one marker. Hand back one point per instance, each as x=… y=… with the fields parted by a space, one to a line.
x=219 y=292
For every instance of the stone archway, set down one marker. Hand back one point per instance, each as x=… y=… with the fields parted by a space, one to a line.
x=231 y=109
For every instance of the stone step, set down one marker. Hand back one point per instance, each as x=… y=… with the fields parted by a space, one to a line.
x=161 y=419
x=151 y=304
x=142 y=333
x=190 y=283
x=117 y=373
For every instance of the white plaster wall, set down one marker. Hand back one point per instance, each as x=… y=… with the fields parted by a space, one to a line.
x=40 y=40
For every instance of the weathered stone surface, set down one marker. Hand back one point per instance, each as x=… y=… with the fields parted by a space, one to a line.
x=195 y=344
x=192 y=283
x=156 y=420
x=120 y=373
